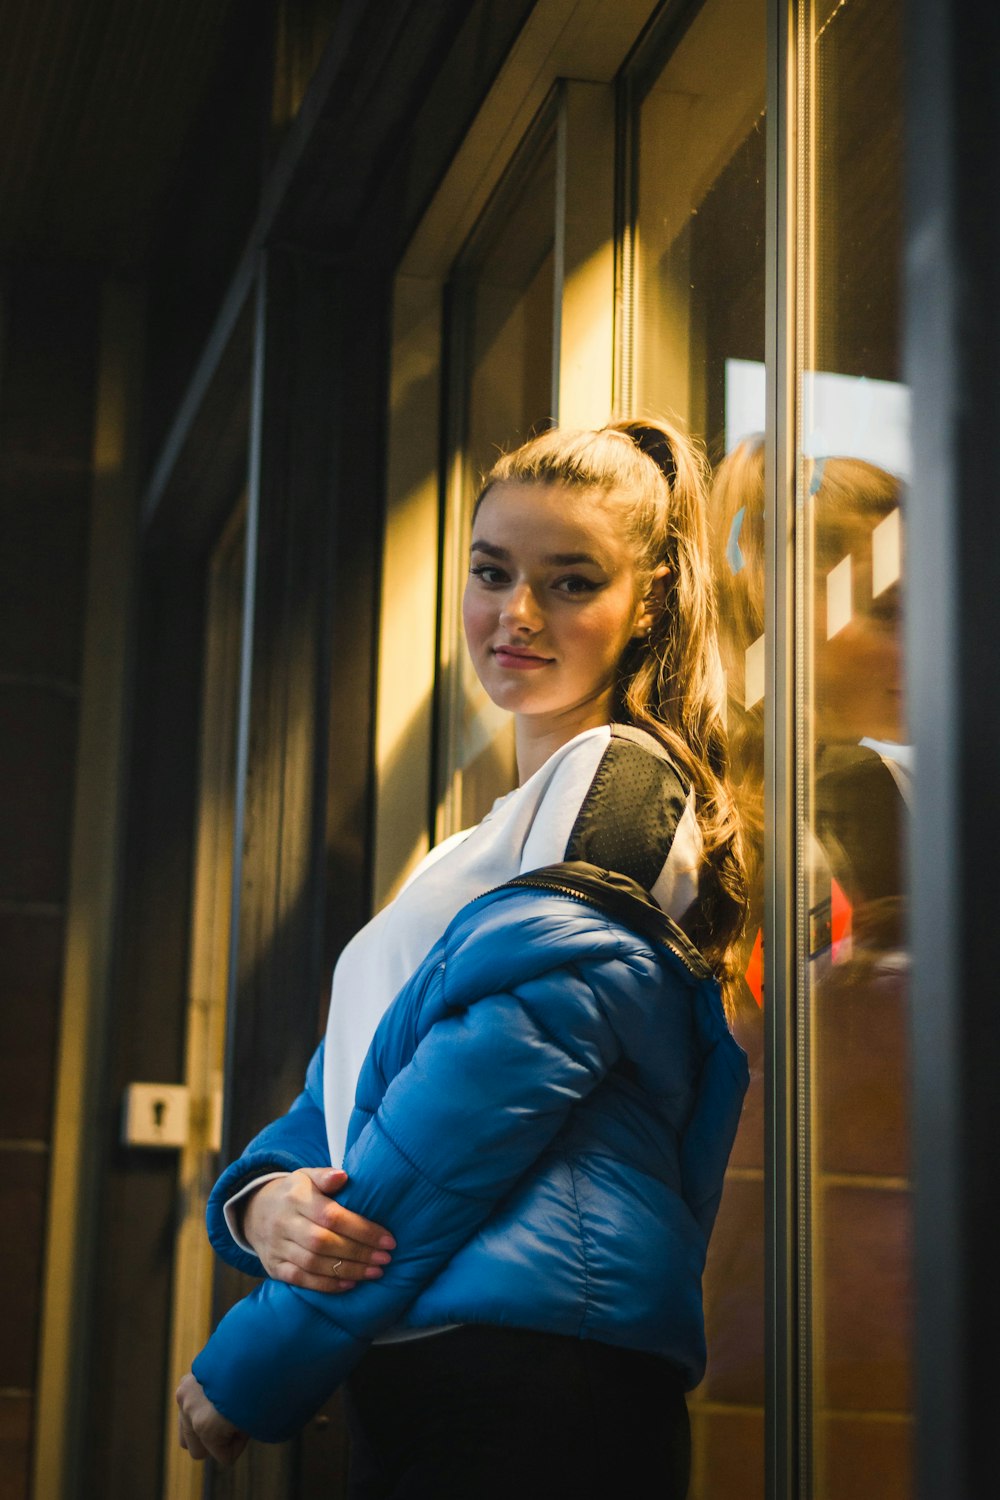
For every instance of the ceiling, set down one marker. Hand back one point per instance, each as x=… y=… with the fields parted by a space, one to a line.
x=96 y=101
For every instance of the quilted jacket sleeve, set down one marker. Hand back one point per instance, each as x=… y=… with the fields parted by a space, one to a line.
x=486 y=1089
x=296 y=1139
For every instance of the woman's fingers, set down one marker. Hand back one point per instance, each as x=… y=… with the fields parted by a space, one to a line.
x=304 y=1237
x=330 y=1264
x=321 y=1206
x=311 y=1281
x=203 y=1430
x=189 y=1439
x=335 y=1244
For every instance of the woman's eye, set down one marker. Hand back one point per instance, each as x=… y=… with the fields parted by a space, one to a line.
x=487 y=573
x=576 y=584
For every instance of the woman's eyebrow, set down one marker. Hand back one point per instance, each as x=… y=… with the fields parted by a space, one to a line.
x=500 y=553
x=552 y=559
x=568 y=559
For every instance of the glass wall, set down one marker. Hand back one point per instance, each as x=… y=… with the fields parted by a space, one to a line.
x=695 y=266
x=694 y=258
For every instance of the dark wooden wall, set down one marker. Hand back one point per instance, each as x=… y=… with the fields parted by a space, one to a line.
x=130 y=1317
x=401 y=91
x=48 y=355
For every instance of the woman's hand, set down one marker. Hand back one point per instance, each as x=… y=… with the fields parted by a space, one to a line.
x=303 y=1237
x=202 y=1430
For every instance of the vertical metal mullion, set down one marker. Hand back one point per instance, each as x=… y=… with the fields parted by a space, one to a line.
x=459 y=312
x=781 y=1382
x=242 y=747
x=801 y=160
x=559 y=245
x=626 y=199
x=803 y=147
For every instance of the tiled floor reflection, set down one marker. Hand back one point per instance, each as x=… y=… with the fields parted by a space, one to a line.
x=734 y=1296
x=867 y=1297
x=862 y=1083
x=727 y=1410
x=727 y=1454
x=862 y=1265
x=865 y=1459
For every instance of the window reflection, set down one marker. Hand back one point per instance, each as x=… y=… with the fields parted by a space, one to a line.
x=857 y=978
x=738 y=542
x=858 y=683
x=856 y=788
x=698 y=271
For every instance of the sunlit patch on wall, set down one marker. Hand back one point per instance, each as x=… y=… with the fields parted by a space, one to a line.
x=839 y=597
x=886 y=553
x=753 y=673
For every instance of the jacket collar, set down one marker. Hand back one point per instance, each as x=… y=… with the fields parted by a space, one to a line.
x=620 y=898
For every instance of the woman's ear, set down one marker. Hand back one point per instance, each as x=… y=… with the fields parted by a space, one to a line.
x=652 y=601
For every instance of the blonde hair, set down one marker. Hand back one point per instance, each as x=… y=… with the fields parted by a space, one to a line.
x=670 y=682
x=737 y=549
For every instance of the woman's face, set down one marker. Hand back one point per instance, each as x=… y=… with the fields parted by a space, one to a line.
x=552 y=600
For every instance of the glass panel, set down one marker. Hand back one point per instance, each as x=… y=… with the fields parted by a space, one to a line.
x=856 y=776
x=694 y=349
x=501 y=302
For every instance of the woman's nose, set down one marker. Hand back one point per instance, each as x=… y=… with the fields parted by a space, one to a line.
x=520 y=609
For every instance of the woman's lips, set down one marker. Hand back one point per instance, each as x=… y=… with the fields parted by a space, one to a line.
x=519 y=661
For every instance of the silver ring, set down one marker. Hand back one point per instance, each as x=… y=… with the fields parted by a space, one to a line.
x=337 y=1266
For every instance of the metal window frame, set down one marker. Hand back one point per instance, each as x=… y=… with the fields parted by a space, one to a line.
x=782 y=1372
x=953 y=576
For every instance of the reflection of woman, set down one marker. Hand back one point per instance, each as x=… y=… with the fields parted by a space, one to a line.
x=737 y=551
x=857 y=702
x=545 y=1112
x=857 y=688
x=858 y=669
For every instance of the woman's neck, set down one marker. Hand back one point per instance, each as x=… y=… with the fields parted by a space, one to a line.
x=536 y=737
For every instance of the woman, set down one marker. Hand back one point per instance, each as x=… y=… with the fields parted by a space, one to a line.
x=544 y=1114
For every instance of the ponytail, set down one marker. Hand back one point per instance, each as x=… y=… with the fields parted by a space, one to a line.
x=670 y=682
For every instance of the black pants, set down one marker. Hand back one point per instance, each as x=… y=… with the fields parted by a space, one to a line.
x=477 y=1413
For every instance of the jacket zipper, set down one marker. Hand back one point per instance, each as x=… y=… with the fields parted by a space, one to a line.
x=702 y=971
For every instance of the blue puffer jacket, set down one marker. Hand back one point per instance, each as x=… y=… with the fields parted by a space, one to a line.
x=543 y=1120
